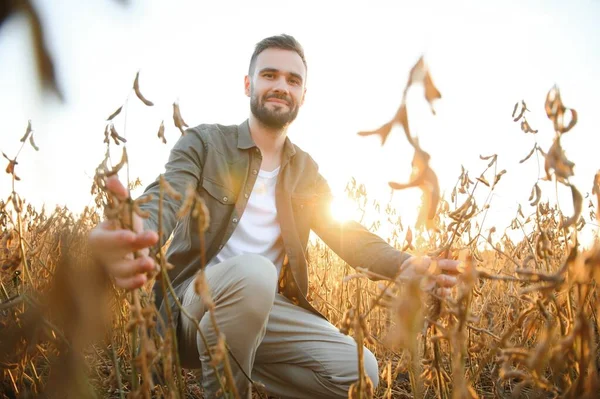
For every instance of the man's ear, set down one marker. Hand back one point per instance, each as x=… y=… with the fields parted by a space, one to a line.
x=303 y=97
x=247 y=85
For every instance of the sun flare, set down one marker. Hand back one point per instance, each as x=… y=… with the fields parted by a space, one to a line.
x=343 y=209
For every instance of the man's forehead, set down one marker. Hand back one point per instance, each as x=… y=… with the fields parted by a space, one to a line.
x=282 y=60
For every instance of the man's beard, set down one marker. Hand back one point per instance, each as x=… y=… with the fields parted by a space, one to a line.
x=273 y=118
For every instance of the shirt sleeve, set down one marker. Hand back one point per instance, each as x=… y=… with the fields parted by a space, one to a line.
x=350 y=240
x=183 y=168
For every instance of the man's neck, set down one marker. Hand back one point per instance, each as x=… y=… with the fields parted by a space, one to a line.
x=269 y=141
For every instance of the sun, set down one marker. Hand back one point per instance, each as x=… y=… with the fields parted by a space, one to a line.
x=343 y=209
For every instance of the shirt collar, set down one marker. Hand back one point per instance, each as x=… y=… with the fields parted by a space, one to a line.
x=245 y=141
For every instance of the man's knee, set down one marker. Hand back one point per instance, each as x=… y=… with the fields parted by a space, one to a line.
x=346 y=373
x=255 y=273
x=255 y=283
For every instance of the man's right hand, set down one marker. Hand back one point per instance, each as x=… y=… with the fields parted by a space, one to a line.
x=114 y=246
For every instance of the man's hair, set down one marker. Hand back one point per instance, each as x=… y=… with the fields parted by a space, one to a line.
x=282 y=42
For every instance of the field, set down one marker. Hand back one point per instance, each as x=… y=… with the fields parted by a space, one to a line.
x=522 y=322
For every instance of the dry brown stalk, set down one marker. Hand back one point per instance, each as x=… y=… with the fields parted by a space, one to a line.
x=355 y=321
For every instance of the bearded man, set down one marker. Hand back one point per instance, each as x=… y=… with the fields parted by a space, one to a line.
x=264 y=195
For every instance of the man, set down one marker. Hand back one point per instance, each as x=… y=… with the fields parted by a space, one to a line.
x=264 y=195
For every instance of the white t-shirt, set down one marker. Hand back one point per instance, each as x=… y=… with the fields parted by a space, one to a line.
x=258 y=230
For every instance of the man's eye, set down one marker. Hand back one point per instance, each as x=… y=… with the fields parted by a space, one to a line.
x=295 y=82
x=268 y=75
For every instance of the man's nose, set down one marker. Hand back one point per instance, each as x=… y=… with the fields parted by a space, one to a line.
x=281 y=85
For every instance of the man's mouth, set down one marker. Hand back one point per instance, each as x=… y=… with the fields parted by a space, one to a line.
x=278 y=101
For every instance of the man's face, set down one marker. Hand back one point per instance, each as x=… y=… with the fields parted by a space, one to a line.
x=276 y=87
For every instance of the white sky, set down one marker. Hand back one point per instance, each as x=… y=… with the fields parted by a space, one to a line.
x=483 y=56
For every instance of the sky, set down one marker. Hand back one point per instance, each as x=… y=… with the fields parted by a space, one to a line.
x=483 y=57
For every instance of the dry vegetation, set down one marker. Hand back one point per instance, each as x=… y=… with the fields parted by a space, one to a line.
x=521 y=323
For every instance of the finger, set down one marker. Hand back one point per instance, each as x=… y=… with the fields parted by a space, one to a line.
x=449 y=266
x=131 y=283
x=144 y=239
x=107 y=241
x=444 y=280
x=115 y=244
x=114 y=185
x=126 y=268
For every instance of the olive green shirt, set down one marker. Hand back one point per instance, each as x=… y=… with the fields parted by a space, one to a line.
x=222 y=164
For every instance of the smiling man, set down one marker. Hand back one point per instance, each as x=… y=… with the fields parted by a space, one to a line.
x=264 y=195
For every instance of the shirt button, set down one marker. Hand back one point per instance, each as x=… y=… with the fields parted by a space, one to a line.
x=234 y=220
x=246 y=196
x=225 y=199
x=254 y=172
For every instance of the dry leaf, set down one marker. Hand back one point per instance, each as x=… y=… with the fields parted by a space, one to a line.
x=557 y=161
x=10 y=168
x=555 y=110
x=115 y=136
x=161 y=132
x=460 y=213
x=493 y=158
x=120 y=165
x=483 y=180
x=169 y=190
x=528 y=155
x=536 y=195
x=431 y=92
x=27 y=132
x=425 y=178
x=422 y=176
x=515 y=110
x=498 y=176
x=106 y=135
x=45 y=65
x=117 y=112
x=553 y=102
x=596 y=191
x=401 y=118
x=572 y=122
x=35 y=147
x=577 y=207
x=532 y=193
x=417 y=72
x=580 y=223
x=177 y=119
x=138 y=93
x=526 y=128
x=520 y=114
x=383 y=132
x=409 y=238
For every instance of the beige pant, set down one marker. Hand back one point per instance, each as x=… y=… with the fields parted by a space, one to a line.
x=293 y=352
